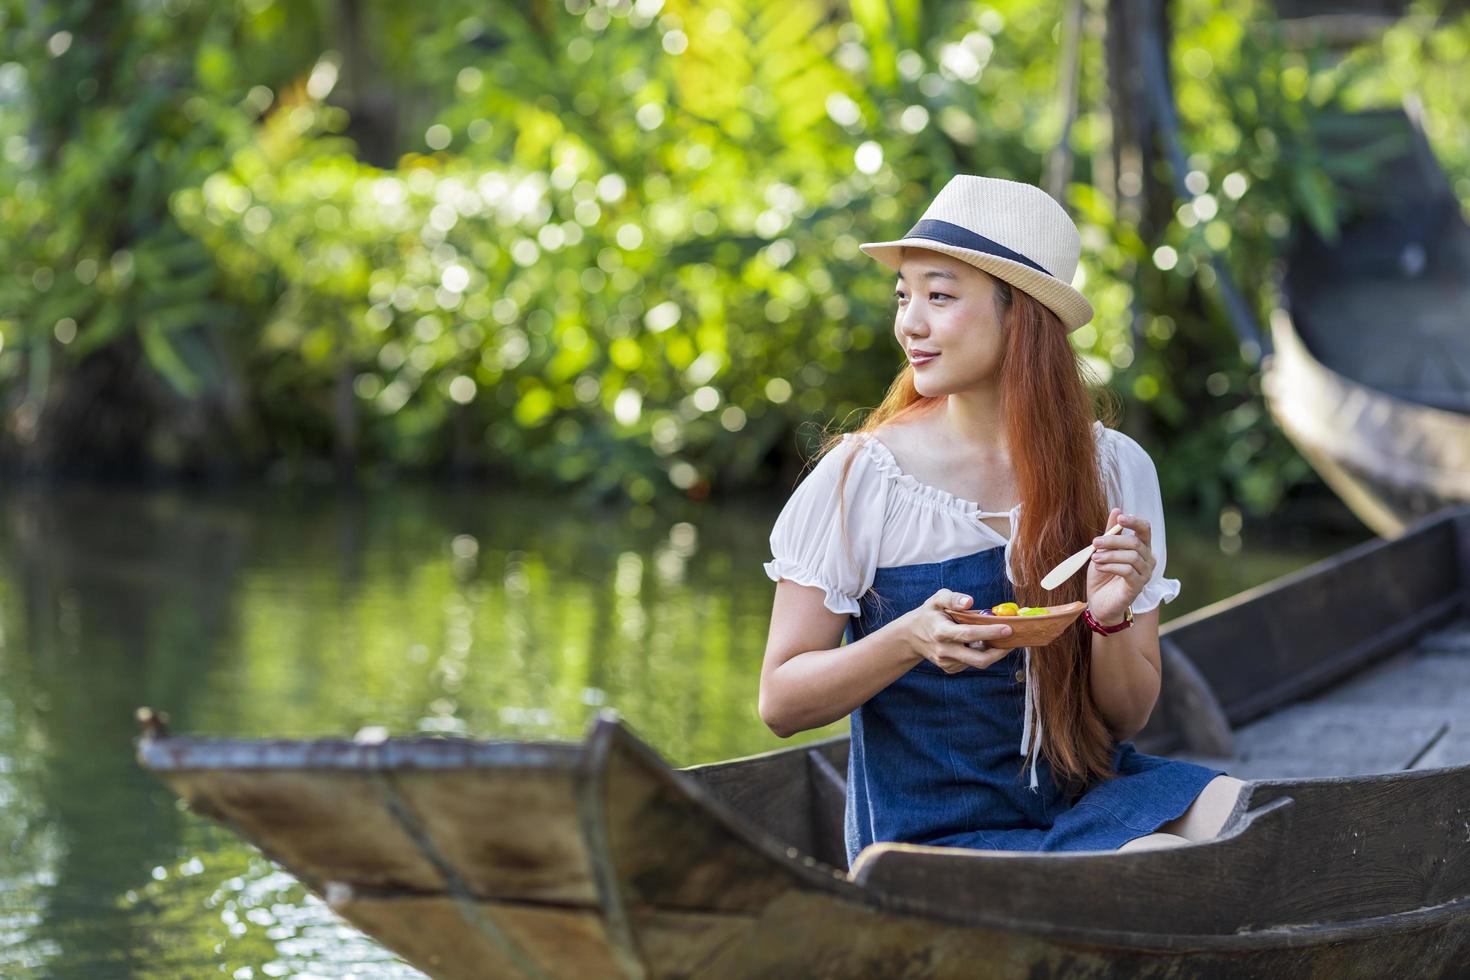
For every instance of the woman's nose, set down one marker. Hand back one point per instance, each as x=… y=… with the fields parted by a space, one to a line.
x=911 y=319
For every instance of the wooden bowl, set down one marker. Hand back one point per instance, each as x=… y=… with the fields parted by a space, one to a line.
x=1027 y=631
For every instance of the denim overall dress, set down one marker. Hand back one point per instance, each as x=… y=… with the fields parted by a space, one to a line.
x=936 y=758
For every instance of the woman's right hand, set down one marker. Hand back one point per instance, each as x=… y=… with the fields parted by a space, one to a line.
x=949 y=645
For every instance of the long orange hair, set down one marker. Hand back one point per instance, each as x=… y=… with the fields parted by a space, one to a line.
x=1048 y=411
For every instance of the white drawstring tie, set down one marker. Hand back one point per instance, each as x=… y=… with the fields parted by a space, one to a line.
x=1031 y=707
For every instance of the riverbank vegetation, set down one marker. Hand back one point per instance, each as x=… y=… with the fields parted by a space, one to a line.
x=612 y=247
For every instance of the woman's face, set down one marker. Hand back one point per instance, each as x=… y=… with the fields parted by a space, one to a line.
x=946 y=307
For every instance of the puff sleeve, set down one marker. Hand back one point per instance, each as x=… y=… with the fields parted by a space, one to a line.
x=808 y=541
x=1134 y=486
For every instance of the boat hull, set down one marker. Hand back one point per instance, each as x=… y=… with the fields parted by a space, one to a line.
x=1370 y=374
x=666 y=882
x=661 y=879
x=1392 y=462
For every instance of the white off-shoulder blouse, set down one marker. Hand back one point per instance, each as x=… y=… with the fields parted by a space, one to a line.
x=895 y=520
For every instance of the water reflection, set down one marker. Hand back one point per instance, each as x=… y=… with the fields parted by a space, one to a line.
x=293 y=613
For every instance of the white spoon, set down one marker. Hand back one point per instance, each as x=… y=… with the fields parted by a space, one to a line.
x=1069 y=566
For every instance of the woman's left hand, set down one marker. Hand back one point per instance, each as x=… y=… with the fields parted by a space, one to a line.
x=1119 y=568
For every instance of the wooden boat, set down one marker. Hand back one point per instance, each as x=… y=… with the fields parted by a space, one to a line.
x=1370 y=373
x=597 y=859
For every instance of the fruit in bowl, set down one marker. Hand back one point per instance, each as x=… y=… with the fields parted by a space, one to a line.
x=1031 y=626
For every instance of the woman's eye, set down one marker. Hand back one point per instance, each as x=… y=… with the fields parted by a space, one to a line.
x=933 y=296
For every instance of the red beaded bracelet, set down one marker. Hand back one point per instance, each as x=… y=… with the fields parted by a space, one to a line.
x=1097 y=627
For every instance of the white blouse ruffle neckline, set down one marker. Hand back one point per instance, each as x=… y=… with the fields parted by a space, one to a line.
x=888 y=465
x=928 y=495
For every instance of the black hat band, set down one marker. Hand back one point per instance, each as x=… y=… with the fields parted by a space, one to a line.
x=947 y=233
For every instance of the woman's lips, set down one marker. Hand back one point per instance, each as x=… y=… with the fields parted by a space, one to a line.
x=917 y=359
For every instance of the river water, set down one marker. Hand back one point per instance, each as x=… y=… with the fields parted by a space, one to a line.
x=285 y=613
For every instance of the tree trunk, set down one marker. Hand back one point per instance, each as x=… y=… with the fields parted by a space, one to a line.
x=1141 y=195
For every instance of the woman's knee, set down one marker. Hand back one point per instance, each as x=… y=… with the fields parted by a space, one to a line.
x=1206 y=816
x=1150 y=842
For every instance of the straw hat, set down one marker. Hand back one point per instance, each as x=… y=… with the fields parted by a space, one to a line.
x=1014 y=231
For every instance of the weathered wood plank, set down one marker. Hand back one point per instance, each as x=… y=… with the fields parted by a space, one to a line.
x=682 y=944
x=806 y=934
x=1452 y=749
x=1326 y=740
x=429 y=932
x=828 y=808
x=809 y=935
x=1453 y=638
x=506 y=822
x=1380 y=720
x=1462 y=550
x=509 y=834
x=300 y=820
x=773 y=790
x=1300 y=634
x=1189 y=707
x=676 y=846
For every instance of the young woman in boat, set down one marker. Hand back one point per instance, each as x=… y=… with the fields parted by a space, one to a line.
x=981 y=470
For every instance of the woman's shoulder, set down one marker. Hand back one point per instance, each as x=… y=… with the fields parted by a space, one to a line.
x=910 y=428
x=868 y=465
x=897 y=439
x=850 y=460
x=1123 y=451
x=878 y=446
x=1130 y=476
x=892 y=447
x=903 y=438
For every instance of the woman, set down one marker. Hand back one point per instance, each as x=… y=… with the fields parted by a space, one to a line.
x=913 y=515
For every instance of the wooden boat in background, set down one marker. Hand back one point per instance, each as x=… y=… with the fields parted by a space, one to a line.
x=597 y=859
x=1370 y=373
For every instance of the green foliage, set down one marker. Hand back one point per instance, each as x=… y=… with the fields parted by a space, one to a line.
x=106 y=111
x=619 y=249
